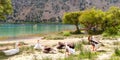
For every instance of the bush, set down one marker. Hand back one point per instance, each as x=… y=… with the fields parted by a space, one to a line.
x=111 y=31
x=117 y=52
x=95 y=32
x=66 y=33
x=79 y=46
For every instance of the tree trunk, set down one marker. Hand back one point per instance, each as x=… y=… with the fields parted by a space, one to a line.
x=77 y=29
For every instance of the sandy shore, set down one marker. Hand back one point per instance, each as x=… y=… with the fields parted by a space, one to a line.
x=33 y=40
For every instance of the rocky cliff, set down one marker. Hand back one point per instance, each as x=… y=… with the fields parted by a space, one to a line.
x=52 y=10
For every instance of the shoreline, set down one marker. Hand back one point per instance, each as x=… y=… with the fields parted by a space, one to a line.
x=23 y=36
x=2 y=38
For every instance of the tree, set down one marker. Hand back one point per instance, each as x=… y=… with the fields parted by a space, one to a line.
x=5 y=8
x=91 y=20
x=112 y=20
x=97 y=21
x=72 y=18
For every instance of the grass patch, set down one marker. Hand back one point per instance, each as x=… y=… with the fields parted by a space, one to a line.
x=116 y=55
x=8 y=44
x=117 y=52
x=84 y=54
x=110 y=37
x=53 y=37
x=47 y=58
x=79 y=46
x=26 y=49
x=66 y=33
x=87 y=55
x=3 y=56
x=71 y=57
x=116 y=43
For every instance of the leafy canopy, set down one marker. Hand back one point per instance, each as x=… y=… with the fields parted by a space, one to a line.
x=92 y=18
x=5 y=8
x=71 y=17
x=95 y=20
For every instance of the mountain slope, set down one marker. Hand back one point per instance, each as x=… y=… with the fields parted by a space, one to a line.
x=53 y=10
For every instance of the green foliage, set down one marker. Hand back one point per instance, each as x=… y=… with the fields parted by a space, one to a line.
x=83 y=54
x=86 y=54
x=115 y=58
x=95 y=21
x=26 y=49
x=5 y=8
x=92 y=18
x=72 y=18
x=111 y=31
x=112 y=18
x=101 y=21
x=117 y=52
x=71 y=57
x=47 y=58
x=66 y=33
x=54 y=37
x=79 y=46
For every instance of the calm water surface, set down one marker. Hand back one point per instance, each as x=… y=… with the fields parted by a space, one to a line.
x=11 y=30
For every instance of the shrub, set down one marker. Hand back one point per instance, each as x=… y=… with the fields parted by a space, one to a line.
x=111 y=31
x=79 y=46
x=117 y=52
x=66 y=33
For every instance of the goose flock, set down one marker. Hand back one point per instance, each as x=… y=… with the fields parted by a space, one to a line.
x=45 y=49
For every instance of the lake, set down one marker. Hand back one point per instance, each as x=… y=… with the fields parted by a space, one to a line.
x=13 y=30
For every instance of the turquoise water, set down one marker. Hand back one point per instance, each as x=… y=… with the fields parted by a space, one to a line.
x=12 y=30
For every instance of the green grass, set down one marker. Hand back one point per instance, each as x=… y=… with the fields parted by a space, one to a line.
x=71 y=57
x=8 y=44
x=61 y=35
x=27 y=49
x=3 y=56
x=116 y=55
x=117 y=52
x=83 y=54
x=47 y=59
x=66 y=33
x=116 y=43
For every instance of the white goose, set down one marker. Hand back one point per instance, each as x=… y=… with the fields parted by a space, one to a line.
x=70 y=50
x=38 y=46
x=12 y=51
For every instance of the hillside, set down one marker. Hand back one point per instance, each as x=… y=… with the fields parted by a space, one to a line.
x=52 y=10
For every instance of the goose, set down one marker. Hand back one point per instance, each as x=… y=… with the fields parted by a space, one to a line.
x=38 y=46
x=47 y=49
x=60 y=45
x=69 y=50
x=12 y=51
